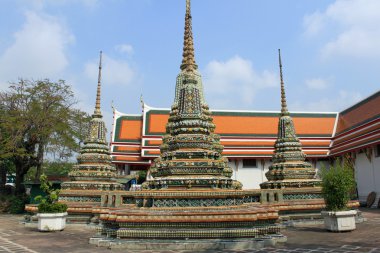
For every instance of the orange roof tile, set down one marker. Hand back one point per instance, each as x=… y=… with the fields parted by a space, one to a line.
x=128 y=129
x=359 y=113
x=230 y=123
x=126 y=149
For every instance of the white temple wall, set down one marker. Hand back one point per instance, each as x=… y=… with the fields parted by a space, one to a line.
x=321 y=164
x=367 y=175
x=122 y=169
x=250 y=176
x=127 y=169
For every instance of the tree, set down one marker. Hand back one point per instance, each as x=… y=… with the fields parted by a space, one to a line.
x=39 y=117
x=337 y=184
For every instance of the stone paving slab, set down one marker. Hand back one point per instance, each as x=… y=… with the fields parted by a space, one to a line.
x=15 y=237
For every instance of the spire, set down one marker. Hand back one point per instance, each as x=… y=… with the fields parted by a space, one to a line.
x=284 y=108
x=188 y=60
x=97 y=104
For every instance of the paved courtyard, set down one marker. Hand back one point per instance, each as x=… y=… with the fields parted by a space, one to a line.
x=15 y=237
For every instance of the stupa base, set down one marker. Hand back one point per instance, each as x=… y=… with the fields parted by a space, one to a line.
x=292 y=184
x=188 y=223
x=194 y=245
x=189 y=183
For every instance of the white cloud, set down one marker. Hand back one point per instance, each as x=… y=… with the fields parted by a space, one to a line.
x=340 y=101
x=124 y=48
x=235 y=82
x=314 y=23
x=114 y=72
x=38 y=50
x=316 y=84
x=354 y=42
x=357 y=31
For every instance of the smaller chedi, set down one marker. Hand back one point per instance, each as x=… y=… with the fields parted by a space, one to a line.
x=289 y=168
x=94 y=172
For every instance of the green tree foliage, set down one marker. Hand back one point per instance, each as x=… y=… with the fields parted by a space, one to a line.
x=38 y=117
x=13 y=204
x=57 y=168
x=141 y=176
x=51 y=169
x=337 y=185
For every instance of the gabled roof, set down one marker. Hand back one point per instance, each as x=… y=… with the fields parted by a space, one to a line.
x=249 y=123
x=243 y=133
x=136 y=138
x=358 y=126
x=363 y=112
x=126 y=138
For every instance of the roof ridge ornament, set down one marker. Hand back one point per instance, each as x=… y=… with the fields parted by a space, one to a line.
x=142 y=103
x=98 y=92
x=188 y=58
x=284 y=107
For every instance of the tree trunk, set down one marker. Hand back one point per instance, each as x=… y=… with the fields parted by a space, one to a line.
x=20 y=188
x=3 y=177
x=21 y=170
x=40 y=160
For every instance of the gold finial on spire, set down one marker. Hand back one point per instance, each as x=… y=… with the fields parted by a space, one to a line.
x=188 y=59
x=97 y=104
x=284 y=107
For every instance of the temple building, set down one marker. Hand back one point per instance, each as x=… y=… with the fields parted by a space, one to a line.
x=249 y=139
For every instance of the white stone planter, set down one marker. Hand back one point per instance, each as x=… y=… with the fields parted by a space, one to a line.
x=51 y=221
x=339 y=221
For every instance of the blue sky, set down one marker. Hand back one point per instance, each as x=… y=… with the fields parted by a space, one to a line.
x=330 y=50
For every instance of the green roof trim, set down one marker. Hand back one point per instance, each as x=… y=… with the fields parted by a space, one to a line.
x=275 y=114
x=244 y=113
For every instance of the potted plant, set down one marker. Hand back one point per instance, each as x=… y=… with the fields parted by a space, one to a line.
x=337 y=185
x=51 y=214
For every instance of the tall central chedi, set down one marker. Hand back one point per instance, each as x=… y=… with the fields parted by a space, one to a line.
x=191 y=194
x=191 y=151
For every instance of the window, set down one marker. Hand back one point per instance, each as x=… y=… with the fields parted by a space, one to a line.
x=377 y=150
x=249 y=163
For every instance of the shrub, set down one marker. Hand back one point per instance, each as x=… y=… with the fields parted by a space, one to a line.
x=52 y=208
x=18 y=204
x=49 y=204
x=337 y=185
x=141 y=176
x=13 y=204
